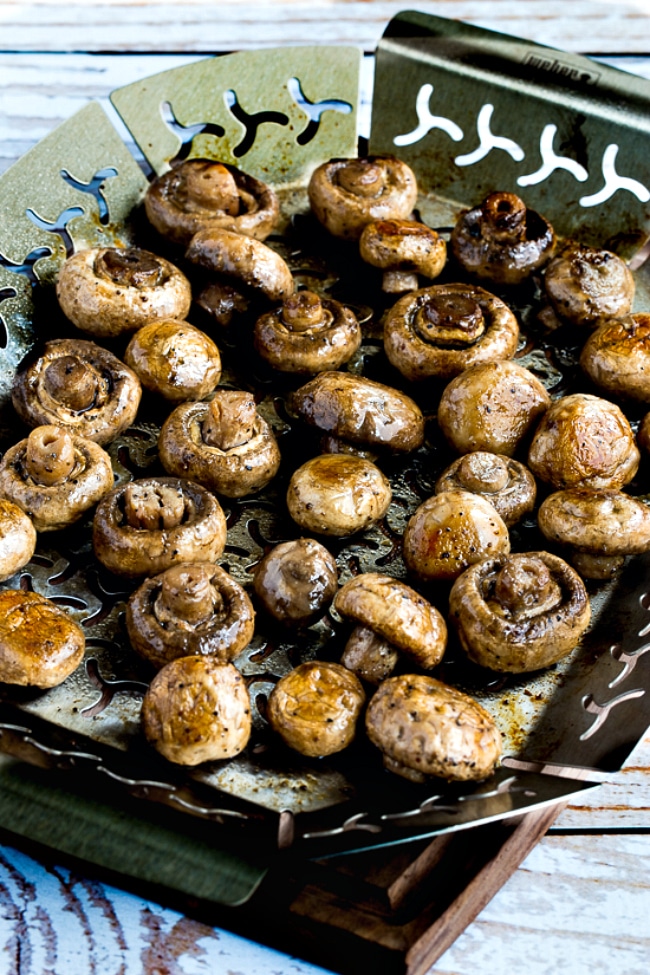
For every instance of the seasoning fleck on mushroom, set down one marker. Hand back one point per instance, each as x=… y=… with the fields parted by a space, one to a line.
x=40 y=644
x=174 y=359
x=586 y=285
x=296 y=580
x=402 y=249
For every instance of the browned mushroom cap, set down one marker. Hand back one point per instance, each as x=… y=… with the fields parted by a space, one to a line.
x=616 y=357
x=190 y=609
x=315 y=708
x=145 y=526
x=337 y=494
x=501 y=240
x=491 y=406
x=225 y=445
x=244 y=259
x=584 y=441
x=441 y=330
x=586 y=285
x=450 y=531
x=346 y=194
x=403 y=249
x=397 y=616
x=201 y=194
x=423 y=727
x=79 y=385
x=17 y=539
x=296 y=580
x=110 y=290
x=307 y=334
x=174 y=359
x=40 y=645
x=360 y=411
x=598 y=528
x=197 y=709
x=55 y=476
x=502 y=481
x=520 y=613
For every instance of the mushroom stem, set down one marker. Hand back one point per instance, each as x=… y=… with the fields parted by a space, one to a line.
x=130 y=267
x=524 y=587
x=483 y=472
x=303 y=310
x=504 y=217
x=450 y=319
x=50 y=456
x=361 y=177
x=369 y=656
x=397 y=282
x=213 y=187
x=230 y=420
x=153 y=507
x=591 y=566
x=187 y=593
x=72 y=382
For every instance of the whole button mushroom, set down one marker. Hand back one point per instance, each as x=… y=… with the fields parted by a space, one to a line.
x=55 y=476
x=17 y=539
x=190 y=609
x=315 y=708
x=425 y=728
x=143 y=527
x=504 y=482
x=449 y=532
x=361 y=412
x=616 y=357
x=197 y=709
x=307 y=334
x=492 y=406
x=337 y=494
x=346 y=194
x=242 y=259
x=391 y=620
x=111 y=290
x=502 y=240
x=203 y=194
x=402 y=249
x=521 y=613
x=597 y=528
x=174 y=359
x=584 y=441
x=585 y=285
x=40 y=645
x=79 y=385
x=296 y=580
x=442 y=330
x=225 y=445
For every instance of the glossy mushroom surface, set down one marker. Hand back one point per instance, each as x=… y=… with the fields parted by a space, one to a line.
x=80 y=385
x=307 y=334
x=17 y=539
x=145 y=526
x=346 y=194
x=197 y=709
x=425 y=728
x=40 y=644
x=442 y=330
x=107 y=291
x=315 y=708
x=585 y=285
x=521 y=613
x=505 y=483
x=616 y=357
x=225 y=445
x=244 y=260
x=55 y=476
x=296 y=581
x=403 y=250
x=174 y=359
x=502 y=240
x=202 y=194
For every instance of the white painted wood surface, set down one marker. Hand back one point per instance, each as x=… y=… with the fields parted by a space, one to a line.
x=580 y=902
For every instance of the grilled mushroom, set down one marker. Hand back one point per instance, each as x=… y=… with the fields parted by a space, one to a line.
x=391 y=620
x=504 y=482
x=307 y=334
x=616 y=357
x=225 y=445
x=346 y=194
x=145 y=526
x=296 y=580
x=190 y=609
x=501 y=240
x=423 y=727
x=197 y=709
x=584 y=441
x=40 y=645
x=441 y=330
x=586 y=285
x=17 y=539
x=55 y=476
x=111 y=290
x=242 y=259
x=174 y=359
x=491 y=406
x=315 y=708
x=402 y=249
x=79 y=385
x=202 y=194
x=520 y=613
